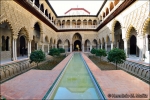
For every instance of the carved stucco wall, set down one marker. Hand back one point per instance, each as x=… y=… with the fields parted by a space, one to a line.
x=18 y=17
x=134 y=16
x=85 y=35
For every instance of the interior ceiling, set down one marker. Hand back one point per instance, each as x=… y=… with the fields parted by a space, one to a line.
x=60 y=7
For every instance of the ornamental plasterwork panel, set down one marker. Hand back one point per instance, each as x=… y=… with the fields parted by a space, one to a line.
x=64 y=36
x=21 y=18
x=137 y=17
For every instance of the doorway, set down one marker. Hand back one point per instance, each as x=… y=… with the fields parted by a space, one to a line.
x=77 y=46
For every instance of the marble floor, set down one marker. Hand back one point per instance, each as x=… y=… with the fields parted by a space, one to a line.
x=119 y=83
x=7 y=61
x=134 y=58
x=34 y=84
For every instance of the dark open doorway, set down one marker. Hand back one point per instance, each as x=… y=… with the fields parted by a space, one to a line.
x=133 y=45
x=77 y=45
x=23 y=50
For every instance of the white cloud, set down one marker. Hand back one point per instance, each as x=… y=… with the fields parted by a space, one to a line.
x=61 y=7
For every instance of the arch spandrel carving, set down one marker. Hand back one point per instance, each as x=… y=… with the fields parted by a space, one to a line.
x=145 y=25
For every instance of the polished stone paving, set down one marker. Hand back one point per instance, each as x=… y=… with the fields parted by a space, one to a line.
x=7 y=61
x=35 y=83
x=118 y=82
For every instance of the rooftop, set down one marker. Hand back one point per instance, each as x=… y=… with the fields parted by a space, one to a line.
x=77 y=9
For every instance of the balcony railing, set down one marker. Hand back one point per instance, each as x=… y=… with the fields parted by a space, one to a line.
x=74 y=26
x=113 y=10
x=77 y=27
x=63 y=26
x=38 y=9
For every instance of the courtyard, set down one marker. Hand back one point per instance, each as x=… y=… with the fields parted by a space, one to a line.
x=59 y=37
x=34 y=84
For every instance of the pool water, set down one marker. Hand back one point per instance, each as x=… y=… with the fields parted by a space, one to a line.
x=76 y=82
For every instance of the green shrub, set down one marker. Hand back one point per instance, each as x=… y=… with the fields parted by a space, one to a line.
x=101 y=52
x=54 y=52
x=37 y=56
x=93 y=51
x=116 y=56
x=61 y=50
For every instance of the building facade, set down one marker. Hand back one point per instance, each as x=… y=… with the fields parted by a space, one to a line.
x=33 y=25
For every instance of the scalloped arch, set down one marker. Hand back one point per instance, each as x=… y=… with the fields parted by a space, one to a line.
x=107 y=38
x=95 y=39
x=66 y=40
x=41 y=28
x=26 y=32
x=113 y=28
x=76 y=33
x=99 y=41
x=47 y=39
x=87 y=40
x=128 y=31
x=8 y=24
x=147 y=21
x=103 y=40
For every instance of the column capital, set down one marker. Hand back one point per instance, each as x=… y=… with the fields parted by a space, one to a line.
x=30 y=39
x=112 y=41
x=123 y=27
x=140 y=35
x=15 y=36
x=146 y=34
x=125 y=39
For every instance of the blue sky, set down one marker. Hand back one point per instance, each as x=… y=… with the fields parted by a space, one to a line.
x=61 y=7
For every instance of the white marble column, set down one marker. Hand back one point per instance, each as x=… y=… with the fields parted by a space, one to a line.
x=33 y=2
x=146 y=42
x=147 y=52
x=87 y=48
x=48 y=48
x=98 y=46
x=13 y=56
x=65 y=24
x=111 y=45
x=76 y=24
x=55 y=45
x=43 y=47
x=106 y=46
x=70 y=47
x=15 y=44
x=63 y=46
x=29 y=48
x=70 y=24
x=90 y=47
x=125 y=47
x=82 y=47
x=39 y=8
x=140 y=43
x=52 y=46
x=87 y=27
x=101 y=46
